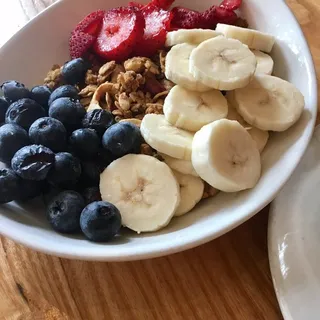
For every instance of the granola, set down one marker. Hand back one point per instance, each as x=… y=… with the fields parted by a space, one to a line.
x=106 y=71
x=53 y=78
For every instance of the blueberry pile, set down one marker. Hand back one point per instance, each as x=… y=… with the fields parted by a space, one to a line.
x=52 y=146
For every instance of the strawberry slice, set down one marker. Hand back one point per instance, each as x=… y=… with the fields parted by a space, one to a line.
x=163 y=4
x=184 y=18
x=80 y=43
x=215 y=15
x=157 y=25
x=231 y=4
x=91 y=23
x=85 y=34
x=121 y=29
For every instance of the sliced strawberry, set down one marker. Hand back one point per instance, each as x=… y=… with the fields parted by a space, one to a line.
x=121 y=29
x=184 y=18
x=163 y=4
x=91 y=24
x=158 y=23
x=80 y=43
x=231 y=4
x=215 y=15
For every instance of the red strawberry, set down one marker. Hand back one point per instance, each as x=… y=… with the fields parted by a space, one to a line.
x=184 y=18
x=84 y=35
x=80 y=43
x=91 y=23
x=231 y=4
x=163 y=4
x=215 y=15
x=121 y=29
x=157 y=25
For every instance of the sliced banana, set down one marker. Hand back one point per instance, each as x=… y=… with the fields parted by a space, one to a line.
x=177 y=68
x=144 y=189
x=269 y=103
x=182 y=166
x=252 y=38
x=226 y=157
x=191 y=110
x=222 y=63
x=264 y=62
x=165 y=138
x=191 y=191
x=192 y=36
x=261 y=137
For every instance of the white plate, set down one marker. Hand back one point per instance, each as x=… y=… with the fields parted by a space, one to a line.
x=44 y=41
x=294 y=239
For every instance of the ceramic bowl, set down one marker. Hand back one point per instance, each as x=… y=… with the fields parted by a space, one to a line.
x=44 y=41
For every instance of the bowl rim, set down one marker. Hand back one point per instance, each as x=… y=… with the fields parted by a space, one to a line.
x=194 y=240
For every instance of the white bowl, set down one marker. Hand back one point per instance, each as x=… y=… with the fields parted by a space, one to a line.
x=44 y=41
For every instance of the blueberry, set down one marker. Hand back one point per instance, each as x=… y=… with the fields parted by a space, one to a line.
x=4 y=105
x=91 y=194
x=29 y=190
x=66 y=91
x=70 y=112
x=12 y=139
x=74 y=71
x=65 y=172
x=33 y=162
x=122 y=138
x=90 y=176
x=100 y=221
x=41 y=94
x=104 y=158
x=64 y=210
x=98 y=119
x=84 y=142
x=13 y=91
x=9 y=183
x=24 y=113
x=50 y=133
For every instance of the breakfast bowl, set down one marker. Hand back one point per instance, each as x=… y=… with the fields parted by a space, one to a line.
x=44 y=41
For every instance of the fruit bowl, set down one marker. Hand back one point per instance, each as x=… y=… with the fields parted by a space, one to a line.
x=35 y=48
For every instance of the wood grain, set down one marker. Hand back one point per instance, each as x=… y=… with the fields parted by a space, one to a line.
x=226 y=279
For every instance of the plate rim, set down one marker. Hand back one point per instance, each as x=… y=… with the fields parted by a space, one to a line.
x=273 y=252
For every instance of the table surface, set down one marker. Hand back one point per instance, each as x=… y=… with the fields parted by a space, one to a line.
x=228 y=278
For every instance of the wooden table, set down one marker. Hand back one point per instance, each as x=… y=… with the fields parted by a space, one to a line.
x=228 y=278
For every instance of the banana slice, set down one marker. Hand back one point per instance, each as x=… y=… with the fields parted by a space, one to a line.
x=191 y=191
x=264 y=62
x=182 y=166
x=144 y=189
x=177 y=68
x=261 y=137
x=252 y=38
x=223 y=64
x=192 y=36
x=165 y=138
x=269 y=103
x=226 y=157
x=191 y=110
